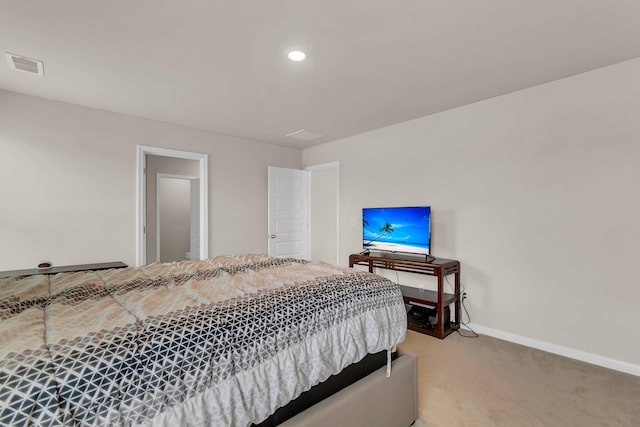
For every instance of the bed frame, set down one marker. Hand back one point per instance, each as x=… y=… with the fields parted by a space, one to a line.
x=372 y=401
x=368 y=366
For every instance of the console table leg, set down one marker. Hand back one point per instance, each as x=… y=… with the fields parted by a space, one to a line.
x=458 y=302
x=440 y=308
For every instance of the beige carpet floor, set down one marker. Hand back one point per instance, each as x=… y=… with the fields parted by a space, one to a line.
x=489 y=382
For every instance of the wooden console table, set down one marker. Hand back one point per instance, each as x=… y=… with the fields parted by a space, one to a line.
x=439 y=299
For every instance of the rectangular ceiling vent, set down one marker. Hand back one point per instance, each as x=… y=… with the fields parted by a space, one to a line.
x=22 y=63
x=304 y=135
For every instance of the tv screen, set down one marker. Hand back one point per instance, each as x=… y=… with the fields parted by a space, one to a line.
x=397 y=229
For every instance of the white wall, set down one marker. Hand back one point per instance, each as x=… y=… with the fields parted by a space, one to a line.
x=535 y=192
x=68 y=183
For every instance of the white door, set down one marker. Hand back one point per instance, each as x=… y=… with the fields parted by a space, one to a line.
x=288 y=213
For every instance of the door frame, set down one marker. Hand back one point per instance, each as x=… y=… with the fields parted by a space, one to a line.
x=141 y=196
x=159 y=176
x=310 y=169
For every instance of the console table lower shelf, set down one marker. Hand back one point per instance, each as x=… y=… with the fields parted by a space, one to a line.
x=423 y=320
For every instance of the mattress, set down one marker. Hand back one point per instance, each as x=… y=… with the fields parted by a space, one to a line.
x=220 y=342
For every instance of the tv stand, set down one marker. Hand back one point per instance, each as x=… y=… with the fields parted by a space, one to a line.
x=439 y=268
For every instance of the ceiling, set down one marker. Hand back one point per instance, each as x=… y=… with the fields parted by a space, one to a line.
x=221 y=65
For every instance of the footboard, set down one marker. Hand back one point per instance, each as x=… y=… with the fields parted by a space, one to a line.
x=373 y=401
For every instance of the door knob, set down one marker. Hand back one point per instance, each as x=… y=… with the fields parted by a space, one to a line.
x=273 y=236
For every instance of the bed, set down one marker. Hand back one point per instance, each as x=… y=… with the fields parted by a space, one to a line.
x=219 y=342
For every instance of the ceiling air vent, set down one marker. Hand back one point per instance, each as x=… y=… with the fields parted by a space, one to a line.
x=22 y=63
x=304 y=135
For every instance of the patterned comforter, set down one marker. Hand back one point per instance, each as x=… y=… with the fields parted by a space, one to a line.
x=221 y=342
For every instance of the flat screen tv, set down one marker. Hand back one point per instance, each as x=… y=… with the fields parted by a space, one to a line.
x=397 y=229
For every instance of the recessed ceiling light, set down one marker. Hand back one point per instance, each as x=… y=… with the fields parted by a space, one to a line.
x=297 y=55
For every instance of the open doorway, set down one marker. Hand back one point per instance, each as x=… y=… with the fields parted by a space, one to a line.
x=172 y=205
x=324 y=212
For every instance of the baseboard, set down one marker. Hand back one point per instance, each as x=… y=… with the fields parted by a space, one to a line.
x=594 y=359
